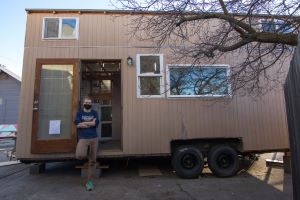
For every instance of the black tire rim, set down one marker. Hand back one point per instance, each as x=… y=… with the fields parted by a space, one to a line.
x=189 y=161
x=224 y=161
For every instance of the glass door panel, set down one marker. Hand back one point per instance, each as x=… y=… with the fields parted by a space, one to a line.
x=55 y=103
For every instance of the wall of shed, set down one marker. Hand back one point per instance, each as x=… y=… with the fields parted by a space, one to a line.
x=9 y=99
x=150 y=124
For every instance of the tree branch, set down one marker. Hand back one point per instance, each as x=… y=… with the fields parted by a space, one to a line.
x=222 y=16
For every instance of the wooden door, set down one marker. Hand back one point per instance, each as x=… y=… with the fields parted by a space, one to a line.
x=55 y=105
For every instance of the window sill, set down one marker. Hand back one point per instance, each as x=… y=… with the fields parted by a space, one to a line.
x=199 y=97
x=51 y=39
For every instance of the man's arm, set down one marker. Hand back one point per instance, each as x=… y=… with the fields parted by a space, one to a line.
x=90 y=123
x=94 y=122
x=78 y=122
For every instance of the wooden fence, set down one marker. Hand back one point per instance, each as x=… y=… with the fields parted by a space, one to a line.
x=292 y=98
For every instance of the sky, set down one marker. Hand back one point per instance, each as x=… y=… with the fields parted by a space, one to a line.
x=13 y=21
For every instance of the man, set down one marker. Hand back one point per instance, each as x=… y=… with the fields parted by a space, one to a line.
x=87 y=122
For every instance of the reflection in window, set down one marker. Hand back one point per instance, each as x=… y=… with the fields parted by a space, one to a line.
x=68 y=28
x=276 y=26
x=198 y=81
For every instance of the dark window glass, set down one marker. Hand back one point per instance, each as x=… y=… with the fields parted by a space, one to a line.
x=51 y=28
x=149 y=64
x=106 y=130
x=150 y=85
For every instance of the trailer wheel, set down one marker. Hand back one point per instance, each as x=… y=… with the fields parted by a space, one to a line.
x=188 y=162
x=223 y=161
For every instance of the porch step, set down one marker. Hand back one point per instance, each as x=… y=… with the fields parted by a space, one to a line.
x=85 y=166
x=84 y=169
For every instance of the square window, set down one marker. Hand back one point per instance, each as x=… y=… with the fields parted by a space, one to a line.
x=150 y=85
x=68 y=28
x=51 y=28
x=150 y=64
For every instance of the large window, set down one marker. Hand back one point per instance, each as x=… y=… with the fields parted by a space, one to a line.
x=60 y=28
x=198 y=81
x=55 y=101
x=150 y=75
x=274 y=26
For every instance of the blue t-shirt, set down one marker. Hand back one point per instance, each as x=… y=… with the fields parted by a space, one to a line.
x=91 y=132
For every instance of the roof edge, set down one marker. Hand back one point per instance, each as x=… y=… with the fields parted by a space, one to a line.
x=109 y=11
x=15 y=76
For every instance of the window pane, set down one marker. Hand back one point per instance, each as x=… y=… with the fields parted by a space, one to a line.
x=51 y=28
x=106 y=130
x=150 y=85
x=268 y=26
x=106 y=86
x=198 y=81
x=150 y=64
x=55 y=101
x=69 y=28
x=284 y=27
x=106 y=113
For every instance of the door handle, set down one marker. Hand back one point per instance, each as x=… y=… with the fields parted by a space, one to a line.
x=35 y=105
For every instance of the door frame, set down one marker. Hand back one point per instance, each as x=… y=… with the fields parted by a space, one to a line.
x=62 y=145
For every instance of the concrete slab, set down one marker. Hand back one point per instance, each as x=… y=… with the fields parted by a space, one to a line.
x=149 y=171
x=121 y=181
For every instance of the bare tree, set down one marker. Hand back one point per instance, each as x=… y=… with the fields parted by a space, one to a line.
x=261 y=33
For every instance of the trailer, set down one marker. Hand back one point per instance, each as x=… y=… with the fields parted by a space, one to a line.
x=73 y=53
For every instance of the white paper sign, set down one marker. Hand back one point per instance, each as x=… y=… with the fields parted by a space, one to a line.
x=54 y=127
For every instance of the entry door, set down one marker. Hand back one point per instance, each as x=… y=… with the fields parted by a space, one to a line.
x=54 y=106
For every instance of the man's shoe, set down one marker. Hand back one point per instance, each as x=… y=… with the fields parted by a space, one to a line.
x=89 y=186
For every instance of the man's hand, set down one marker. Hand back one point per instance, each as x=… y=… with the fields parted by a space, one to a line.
x=82 y=125
x=87 y=124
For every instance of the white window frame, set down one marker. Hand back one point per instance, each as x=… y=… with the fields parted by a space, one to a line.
x=199 y=66
x=161 y=75
x=60 y=29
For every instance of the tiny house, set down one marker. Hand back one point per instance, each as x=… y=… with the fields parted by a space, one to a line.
x=72 y=53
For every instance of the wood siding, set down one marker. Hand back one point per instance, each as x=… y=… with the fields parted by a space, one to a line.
x=149 y=125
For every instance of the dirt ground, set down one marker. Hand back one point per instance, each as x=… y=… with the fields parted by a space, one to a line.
x=122 y=181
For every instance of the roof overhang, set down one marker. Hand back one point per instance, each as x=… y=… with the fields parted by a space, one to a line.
x=132 y=12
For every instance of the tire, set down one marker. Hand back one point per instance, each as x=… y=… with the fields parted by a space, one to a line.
x=223 y=161
x=187 y=161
